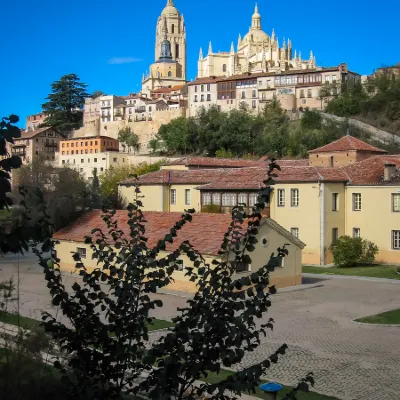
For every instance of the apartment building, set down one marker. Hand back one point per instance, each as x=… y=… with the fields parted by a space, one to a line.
x=88 y=145
x=34 y=121
x=346 y=188
x=42 y=142
x=295 y=89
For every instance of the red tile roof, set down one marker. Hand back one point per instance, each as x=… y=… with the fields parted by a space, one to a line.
x=205 y=232
x=209 y=79
x=216 y=162
x=347 y=143
x=31 y=134
x=193 y=177
x=371 y=171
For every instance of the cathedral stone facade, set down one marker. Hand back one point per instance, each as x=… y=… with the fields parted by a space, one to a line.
x=256 y=52
x=169 y=68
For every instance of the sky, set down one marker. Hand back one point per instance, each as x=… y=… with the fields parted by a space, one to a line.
x=109 y=44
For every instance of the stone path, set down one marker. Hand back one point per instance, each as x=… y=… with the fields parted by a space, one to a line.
x=350 y=361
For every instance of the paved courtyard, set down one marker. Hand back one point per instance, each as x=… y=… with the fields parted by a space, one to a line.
x=349 y=360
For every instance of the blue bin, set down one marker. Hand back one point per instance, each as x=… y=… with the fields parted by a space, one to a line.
x=271 y=389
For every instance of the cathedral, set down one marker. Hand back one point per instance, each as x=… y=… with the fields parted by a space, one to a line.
x=169 y=68
x=256 y=52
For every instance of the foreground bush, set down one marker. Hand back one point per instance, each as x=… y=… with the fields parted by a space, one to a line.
x=348 y=251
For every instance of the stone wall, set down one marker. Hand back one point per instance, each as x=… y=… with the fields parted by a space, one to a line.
x=377 y=134
x=146 y=130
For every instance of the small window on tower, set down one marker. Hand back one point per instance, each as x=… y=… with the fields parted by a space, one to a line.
x=173 y=28
x=224 y=68
x=177 y=50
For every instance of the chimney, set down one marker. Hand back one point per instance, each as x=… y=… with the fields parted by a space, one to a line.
x=390 y=170
x=165 y=175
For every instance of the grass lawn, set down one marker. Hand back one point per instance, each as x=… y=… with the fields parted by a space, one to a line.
x=24 y=322
x=29 y=323
x=389 y=317
x=374 y=271
x=214 y=378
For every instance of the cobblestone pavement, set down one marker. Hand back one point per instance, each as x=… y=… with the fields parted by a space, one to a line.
x=349 y=360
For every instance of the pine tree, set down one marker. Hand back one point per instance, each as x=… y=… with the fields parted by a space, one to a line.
x=65 y=103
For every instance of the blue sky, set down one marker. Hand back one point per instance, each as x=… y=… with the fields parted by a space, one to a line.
x=44 y=39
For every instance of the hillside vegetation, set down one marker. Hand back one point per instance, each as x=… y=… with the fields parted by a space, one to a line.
x=377 y=102
x=239 y=133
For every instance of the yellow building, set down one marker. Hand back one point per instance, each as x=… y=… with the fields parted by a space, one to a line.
x=347 y=187
x=205 y=233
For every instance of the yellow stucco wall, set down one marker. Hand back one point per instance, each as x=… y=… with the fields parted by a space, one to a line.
x=376 y=219
x=334 y=219
x=288 y=275
x=180 y=205
x=152 y=196
x=305 y=217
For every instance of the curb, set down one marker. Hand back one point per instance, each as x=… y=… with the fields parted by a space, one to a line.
x=360 y=278
x=378 y=325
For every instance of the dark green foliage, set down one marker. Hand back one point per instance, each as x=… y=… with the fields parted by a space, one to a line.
x=311 y=120
x=60 y=192
x=95 y=191
x=98 y=93
x=348 y=251
x=128 y=139
x=8 y=132
x=65 y=103
x=108 y=346
x=377 y=102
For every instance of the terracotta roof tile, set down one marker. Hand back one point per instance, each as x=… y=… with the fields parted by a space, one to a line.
x=347 y=143
x=371 y=171
x=209 y=79
x=31 y=134
x=205 y=232
x=216 y=162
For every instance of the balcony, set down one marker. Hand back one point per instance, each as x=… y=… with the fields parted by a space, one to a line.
x=140 y=109
x=50 y=145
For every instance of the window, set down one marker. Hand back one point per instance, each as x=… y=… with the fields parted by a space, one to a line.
x=242 y=267
x=294 y=197
x=195 y=98
x=254 y=104
x=356 y=201
x=281 y=197
x=302 y=93
x=229 y=200
x=356 y=233
x=82 y=161
x=396 y=240
x=254 y=94
x=187 y=197
x=209 y=97
x=294 y=232
x=309 y=93
x=396 y=202
x=169 y=74
x=88 y=160
x=63 y=153
x=101 y=169
x=208 y=87
x=195 y=89
x=63 y=161
x=224 y=68
x=335 y=201
x=335 y=234
x=177 y=50
x=202 y=88
x=172 y=28
x=81 y=251
x=216 y=199
x=242 y=198
x=268 y=84
x=206 y=199
x=173 y=196
x=253 y=199
x=327 y=79
x=243 y=95
x=202 y=97
x=114 y=159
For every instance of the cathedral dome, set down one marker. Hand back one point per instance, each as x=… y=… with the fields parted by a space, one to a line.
x=256 y=36
x=170 y=9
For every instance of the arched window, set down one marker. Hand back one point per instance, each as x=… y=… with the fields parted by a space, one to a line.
x=177 y=50
x=224 y=68
x=332 y=162
x=169 y=73
x=173 y=28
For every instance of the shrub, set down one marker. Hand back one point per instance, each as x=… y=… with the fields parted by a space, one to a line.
x=348 y=251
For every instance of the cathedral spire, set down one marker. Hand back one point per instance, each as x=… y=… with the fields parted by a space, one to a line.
x=165 y=29
x=256 y=19
x=201 y=54
x=232 y=48
x=210 y=48
x=256 y=9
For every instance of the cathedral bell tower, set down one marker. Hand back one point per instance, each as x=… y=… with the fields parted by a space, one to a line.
x=175 y=34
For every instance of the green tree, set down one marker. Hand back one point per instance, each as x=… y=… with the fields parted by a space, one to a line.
x=95 y=190
x=98 y=93
x=65 y=103
x=63 y=191
x=154 y=145
x=110 y=355
x=222 y=153
x=325 y=92
x=127 y=138
x=311 y=119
